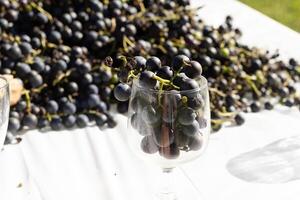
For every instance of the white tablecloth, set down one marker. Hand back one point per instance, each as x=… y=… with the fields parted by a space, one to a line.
x=259 y=160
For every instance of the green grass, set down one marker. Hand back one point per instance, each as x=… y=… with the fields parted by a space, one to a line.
x=285 y=11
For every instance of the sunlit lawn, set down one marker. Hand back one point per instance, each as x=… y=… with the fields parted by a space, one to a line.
x=284 y=11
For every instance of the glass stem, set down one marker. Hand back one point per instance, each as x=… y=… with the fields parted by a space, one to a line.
x=166 y=191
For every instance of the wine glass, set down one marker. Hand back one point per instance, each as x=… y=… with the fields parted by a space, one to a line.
x=4 y=109
x=168 y=128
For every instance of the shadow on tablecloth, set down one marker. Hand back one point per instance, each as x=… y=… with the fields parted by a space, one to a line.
x=278 y=162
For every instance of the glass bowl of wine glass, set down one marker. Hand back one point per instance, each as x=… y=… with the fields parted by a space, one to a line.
x=168 y=127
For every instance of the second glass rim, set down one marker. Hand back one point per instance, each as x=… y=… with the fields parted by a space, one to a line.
x=6 y=84
x=201 y=87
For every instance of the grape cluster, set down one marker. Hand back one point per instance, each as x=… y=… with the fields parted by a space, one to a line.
x=167 y=103
x=60 y=51
x=181 y=75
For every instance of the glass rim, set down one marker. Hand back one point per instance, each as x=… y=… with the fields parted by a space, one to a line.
x=5 y=85
x=201 y=87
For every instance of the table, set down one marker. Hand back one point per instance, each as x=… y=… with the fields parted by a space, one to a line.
x=259 y=160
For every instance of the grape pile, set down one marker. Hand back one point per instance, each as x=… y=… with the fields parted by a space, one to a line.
x=69 y=55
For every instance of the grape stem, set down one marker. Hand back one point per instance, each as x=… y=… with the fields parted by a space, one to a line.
x=41 y=10
x=165 y=82
x=61 y=77
x=27 y=97
x=184 y=100
x=227 y=114
x=131 y=75
x=218 y=92
x=39 y=89
x=220 y=121
x=252 y=85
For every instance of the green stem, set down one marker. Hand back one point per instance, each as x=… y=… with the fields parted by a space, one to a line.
x=39 y=89
x=218 y=92
x=27 y=97
x=252 y=85
x=165 y=81
x=131 y=75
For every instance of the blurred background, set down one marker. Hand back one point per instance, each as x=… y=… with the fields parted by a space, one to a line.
x=284 y=11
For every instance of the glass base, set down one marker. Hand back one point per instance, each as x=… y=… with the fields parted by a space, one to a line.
x=176 y=185
x=166 y=196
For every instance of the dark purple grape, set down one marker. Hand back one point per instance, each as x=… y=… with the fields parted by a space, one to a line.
x=147 y=79
x=82 y=120
x=122 y=107
x=22 y=69
x=196 y=102
x=86 y=79
x=26 y=48
x=179 y=79
x=42 y=123
x=190 y=129
x=140 y=62
x=35 y=42
x=269 y=105
x=72 y=87
x=21 y=106
x=186 y=116
x=15 y=52
x=13 y=124
x=153 y=64
x=60 y=65
x=148 y=145
x=14 y=114
x=165 y=72
x=111 y=122
x=179 y=62
x=100 y=119
x=106 y=93
x=69 y=121
x=150 y=115
x=195 y=143
x=35 y=109
x=92 y=89
x=122 y=92
x=289 y=102
x=41 y=18
x=30 y=121
x=35 y=79
x=93 y=100
x=102 y=106
x=56 y=123
x=193 y=70
x=283 y=92
x=255 y=107
x=139 y=124
x=38 y=65
x=139 y=102
x=105 y=75
x=68 y=108
x=188 y=84
x=205 y=61
x=239 y=119
x=202 y=122
x=181 y=139
x=130 y=29
x=54 y=37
